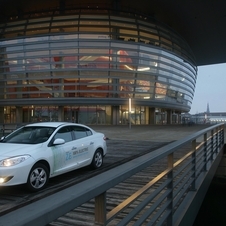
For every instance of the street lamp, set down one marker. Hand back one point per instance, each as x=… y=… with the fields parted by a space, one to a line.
x=129 y=113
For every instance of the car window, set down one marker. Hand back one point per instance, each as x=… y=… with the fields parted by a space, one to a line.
x=29 y=135
x=64 y=133
x=80 y=132
x=42 y=135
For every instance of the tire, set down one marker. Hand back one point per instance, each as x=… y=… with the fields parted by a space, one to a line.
x=97 y=161
x=38 y=177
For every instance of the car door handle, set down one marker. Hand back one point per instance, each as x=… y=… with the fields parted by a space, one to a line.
x=91 y=142
x=73 y=148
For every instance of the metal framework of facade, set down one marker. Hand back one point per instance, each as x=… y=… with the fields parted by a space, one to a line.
x=82 y=63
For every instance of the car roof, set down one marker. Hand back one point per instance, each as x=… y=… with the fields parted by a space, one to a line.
x=52 y=124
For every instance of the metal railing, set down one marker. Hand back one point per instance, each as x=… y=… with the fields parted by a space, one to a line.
x=180 y=171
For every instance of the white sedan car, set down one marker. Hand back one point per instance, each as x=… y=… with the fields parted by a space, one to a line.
x=36 y=152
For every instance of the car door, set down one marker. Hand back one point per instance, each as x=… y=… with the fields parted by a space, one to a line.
x=84 y=145
x=64 y=154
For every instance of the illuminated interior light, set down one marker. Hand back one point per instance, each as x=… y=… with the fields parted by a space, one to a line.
x=144 y=69
x=130 y=68
x=139 y=69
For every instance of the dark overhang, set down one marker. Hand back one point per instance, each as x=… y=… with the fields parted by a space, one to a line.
x=201 y=23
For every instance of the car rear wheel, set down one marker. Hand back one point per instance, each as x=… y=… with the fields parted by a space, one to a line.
x=38 y=177
x=97 y=159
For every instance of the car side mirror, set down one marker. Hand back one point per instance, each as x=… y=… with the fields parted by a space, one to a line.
x=58 y=141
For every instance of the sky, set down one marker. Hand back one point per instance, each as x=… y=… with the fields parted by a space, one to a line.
x=210 y=88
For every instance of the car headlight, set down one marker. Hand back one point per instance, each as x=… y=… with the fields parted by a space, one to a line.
x=13 y=160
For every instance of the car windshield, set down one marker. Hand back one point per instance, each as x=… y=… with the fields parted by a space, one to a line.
x=29 y=135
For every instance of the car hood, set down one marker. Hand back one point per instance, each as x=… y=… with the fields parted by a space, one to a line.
x=8 y=150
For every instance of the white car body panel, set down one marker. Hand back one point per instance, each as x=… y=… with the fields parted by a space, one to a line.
x=61 y=158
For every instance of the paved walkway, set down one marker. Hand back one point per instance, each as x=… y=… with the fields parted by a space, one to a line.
x=157 y=133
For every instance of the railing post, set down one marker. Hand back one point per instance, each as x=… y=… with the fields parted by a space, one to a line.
x=222 y=134
x=220 y=138
x=212 y=145
x=205 y=152
x=193 y=185
x=170 y=187
x=100 y=209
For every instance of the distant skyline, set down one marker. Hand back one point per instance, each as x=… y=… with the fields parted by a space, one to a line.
x=210 y=89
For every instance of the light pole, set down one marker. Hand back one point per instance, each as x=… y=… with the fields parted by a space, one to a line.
x=129 y=113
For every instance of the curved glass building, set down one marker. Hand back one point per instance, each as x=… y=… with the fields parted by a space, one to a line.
x=93 y=66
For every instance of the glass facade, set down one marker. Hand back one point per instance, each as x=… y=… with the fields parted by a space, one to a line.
x=85 y=66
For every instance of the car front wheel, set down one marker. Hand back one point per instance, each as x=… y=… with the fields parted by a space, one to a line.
x=38 y=177
x=97 y=159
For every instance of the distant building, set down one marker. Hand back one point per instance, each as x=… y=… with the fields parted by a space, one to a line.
x=211 y=118
x=205 y=117
x=208 y=109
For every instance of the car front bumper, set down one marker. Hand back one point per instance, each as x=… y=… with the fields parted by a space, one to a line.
x=17 y=174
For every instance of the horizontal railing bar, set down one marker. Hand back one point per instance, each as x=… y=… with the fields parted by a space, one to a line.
x=178 y=162
x=145 y=202
x=185 y=189
x=133 y=197
x=159 y=211
x=199 y=168
x=199 y=152
x=181 y=180
x=163 y=219
x=182 y=166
